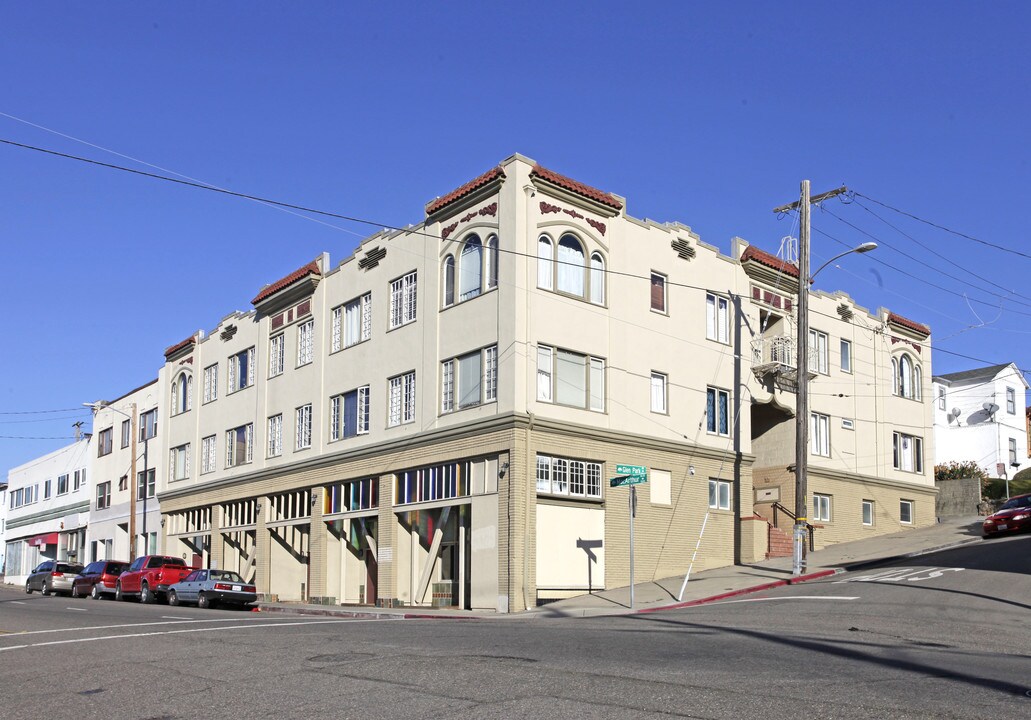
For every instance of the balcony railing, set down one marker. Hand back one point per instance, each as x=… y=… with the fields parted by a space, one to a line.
x=774 y=350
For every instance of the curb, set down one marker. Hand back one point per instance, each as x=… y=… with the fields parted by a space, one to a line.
x=744 y=591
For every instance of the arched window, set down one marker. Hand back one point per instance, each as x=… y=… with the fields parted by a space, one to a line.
x=545 y=264
x=182 y=394
x=449 y=280
x=918 y=392
x=570 y=266
x=492 y=261
x=470 y=269
x=894 y=376
x=905 y=377
x=597 y=279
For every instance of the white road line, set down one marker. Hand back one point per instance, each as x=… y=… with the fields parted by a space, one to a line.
x=17 y=602
x=77 y=609
x=795 y=597
x=129 y=625
x=178 y=632
x=175 y=617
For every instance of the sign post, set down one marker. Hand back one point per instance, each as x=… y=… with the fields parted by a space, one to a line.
x=630 y=475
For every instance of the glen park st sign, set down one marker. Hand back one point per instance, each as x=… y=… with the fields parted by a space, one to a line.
x=630 y=475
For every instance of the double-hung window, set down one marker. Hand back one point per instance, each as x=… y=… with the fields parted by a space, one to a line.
x=868 y=513
x=179 y=463
x=717 y=318
x=352 y=322
x=303 y=427
x=241 y=370
x=104 y=442
x=907 y=452
x=211 y=383
x=401 y=401
x=469 y=380
x=148 y=424
x=103 y=495
x=62 y=484
x=1013 y=451
x=403 y=300
x=906 y=512
x=276 y=355
x=717 y=411
x=818 y=352
x=240 y=445
x=207 y=454
x=819 y=434
x=658 y=292
x=146 y=484
x=126 y=432
x=275 y=436
x=821 y=507
x=349 y=414
x=1011 y=401
x=719 y=494
x=846 y=356
x=658 y=392
x=569 y=378
x=305 y=342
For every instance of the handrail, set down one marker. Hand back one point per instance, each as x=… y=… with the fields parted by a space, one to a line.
x=812 y=530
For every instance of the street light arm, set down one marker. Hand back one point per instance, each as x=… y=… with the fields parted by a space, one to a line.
x=864 y=248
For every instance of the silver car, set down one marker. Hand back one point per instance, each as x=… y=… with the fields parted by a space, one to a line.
x=208 y=587
x=52 y=576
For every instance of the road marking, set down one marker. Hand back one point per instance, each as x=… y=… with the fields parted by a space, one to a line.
x=129 y=625
x=77 y=609
x=795 y=597
x=900 y=574
x=179 y=632
x=17 y=602
x=175 y=617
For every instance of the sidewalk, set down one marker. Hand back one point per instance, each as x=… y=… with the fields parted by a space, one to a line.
x=705 y=586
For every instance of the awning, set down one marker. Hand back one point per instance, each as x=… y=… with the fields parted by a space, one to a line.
x=41 y=540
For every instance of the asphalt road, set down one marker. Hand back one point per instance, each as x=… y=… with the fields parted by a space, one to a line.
x=942 y=636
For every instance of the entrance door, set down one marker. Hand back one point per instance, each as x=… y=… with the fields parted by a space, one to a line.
x=371 y=576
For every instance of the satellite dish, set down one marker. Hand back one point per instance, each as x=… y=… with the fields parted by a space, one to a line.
x=990 y=407
x=956 y=412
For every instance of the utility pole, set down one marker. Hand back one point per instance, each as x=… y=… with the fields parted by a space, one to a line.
x=132 y=488
x=801 y=529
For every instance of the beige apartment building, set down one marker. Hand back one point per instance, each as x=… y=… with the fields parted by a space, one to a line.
x=436 y=419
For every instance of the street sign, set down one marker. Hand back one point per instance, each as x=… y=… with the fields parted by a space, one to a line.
x=638 y=470
x=627 y=480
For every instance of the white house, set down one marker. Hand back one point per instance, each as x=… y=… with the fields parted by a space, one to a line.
x=979 y=416
x=47 y=510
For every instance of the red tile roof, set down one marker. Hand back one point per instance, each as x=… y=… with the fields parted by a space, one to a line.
x=172 y=349
x=577 y=187
x=907 y=323
x=311 y=268
x=764 y=258
x=457 y=194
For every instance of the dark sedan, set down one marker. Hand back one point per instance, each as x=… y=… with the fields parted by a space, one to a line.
x=1013 y=516
x=210 y=587
x=98 y=579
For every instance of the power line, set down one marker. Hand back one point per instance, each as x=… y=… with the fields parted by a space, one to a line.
x=946 y=229
x=40 y=412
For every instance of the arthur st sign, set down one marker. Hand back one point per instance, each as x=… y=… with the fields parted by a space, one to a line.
x=629 y=475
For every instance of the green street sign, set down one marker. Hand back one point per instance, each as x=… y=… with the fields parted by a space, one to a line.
x=636 y=470
x=627 y=480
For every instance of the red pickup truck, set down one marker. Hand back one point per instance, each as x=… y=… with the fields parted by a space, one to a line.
x=150 y=576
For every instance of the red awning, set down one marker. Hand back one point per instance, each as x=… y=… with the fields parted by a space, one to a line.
x=40 y=540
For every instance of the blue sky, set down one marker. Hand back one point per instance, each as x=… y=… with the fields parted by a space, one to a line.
x=705 y=113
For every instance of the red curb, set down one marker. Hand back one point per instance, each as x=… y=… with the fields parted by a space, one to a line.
x=745 y=591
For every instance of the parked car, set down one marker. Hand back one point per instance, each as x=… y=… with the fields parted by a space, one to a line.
x=150 y=576
x=98 y=579
x=52 y=576
x=1014 y=515
x=208 y=587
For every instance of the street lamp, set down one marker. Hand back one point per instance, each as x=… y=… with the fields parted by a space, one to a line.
x=100 y=405
x=802 y=374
